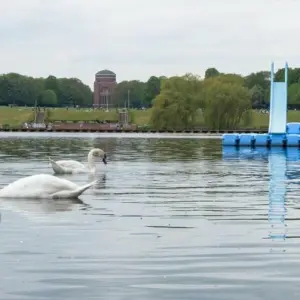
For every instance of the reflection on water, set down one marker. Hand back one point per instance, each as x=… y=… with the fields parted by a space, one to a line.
x=171 y=218
x=24 y=205
x=277 y=194
x=284 y=171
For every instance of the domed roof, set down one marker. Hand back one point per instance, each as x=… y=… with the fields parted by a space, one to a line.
x=105 y=73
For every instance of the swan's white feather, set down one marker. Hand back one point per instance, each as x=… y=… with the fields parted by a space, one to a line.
x=43 y=186
x=67 y=167
x=72 y=166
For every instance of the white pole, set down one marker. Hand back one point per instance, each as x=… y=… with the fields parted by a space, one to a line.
x=106 y=100
x=35 y=110
x=128 y=95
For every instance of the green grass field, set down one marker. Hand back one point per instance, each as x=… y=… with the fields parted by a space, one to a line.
x=17 y=116
x=140 y=117
x=63 y=114
x=262 y=120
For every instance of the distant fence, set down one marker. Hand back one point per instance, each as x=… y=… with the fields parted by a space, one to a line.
x=34 y=125
x=60 y=126
x=117 y=127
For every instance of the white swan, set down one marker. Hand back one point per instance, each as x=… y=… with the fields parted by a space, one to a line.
x=73 y=166
x=43 y=186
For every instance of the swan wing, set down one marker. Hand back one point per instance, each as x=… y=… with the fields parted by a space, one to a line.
x=58 y=169
x=37 y=186
x=70 y=194
x=72 y=164
x=66 y=166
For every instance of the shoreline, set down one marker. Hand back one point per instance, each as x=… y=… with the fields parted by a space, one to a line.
x=204 y=132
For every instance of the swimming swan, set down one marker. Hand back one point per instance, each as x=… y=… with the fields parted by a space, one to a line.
x=43 y=186
x=73 y=166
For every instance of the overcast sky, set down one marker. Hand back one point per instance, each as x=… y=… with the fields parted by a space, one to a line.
x=138 y=38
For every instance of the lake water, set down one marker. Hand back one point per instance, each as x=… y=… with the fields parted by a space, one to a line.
x=173 y=217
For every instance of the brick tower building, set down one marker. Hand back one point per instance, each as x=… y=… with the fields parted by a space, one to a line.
x=104 y=85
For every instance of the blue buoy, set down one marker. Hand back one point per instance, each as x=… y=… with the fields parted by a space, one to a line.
x=262 y=139
x=293 y=140
x=293 y=128
x=277 y=139
x=246 y=139
x=230 y=139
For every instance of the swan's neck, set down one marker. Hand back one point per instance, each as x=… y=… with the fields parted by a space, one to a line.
x=91 y=162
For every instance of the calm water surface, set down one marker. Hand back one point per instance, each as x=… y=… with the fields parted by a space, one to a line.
x=173 y=217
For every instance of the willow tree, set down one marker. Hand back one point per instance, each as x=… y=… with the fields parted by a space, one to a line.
x=226 y=102
x=176 y=105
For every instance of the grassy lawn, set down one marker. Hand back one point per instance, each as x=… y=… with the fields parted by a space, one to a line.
x=15 y=116
x=140 y=117
x=63 y=114
x=262 y=120
x=19 y=115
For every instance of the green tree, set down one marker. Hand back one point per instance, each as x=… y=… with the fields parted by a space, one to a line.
x=257 y=95
x=226 y=102
x=176 y=106
x=22 y=90
x=48 y=98
x=71 y=91
x=230 y=78
x=19 y=90
x=51 y=83
x=261 y=79
x=293 y=75
x=259 y=83
x=211 y=72
x=134 y=90
x=152 y=89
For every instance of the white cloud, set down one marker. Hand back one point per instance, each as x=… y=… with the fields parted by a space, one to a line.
x=137 y=39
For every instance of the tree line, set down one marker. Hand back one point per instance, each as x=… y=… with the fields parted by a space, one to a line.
x=17 y=89
x=258 y=84
x=21 y=90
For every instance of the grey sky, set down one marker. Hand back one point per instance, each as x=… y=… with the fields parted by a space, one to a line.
x=137 y=39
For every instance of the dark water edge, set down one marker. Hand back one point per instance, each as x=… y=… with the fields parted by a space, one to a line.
x=173 y=217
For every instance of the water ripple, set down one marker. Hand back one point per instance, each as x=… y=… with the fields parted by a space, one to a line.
x=189 y=223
